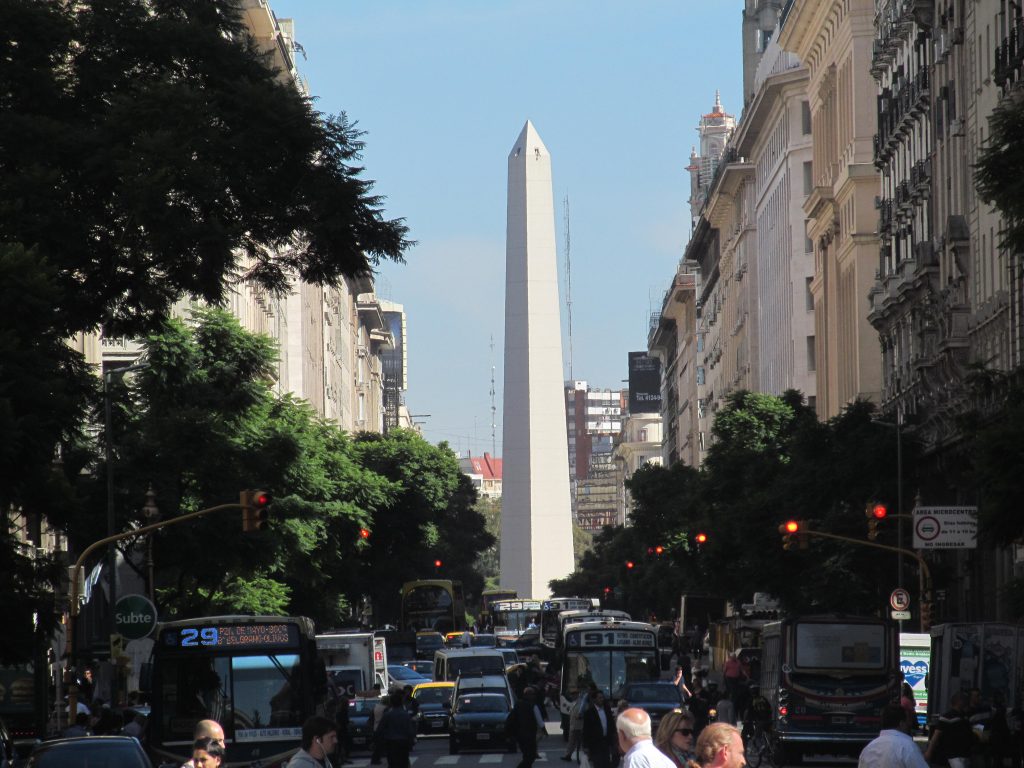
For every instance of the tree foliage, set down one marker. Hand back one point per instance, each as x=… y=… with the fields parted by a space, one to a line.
x=999 y=174
x=201 y=422
x=771 y=461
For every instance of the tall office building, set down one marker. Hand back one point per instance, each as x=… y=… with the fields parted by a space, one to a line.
x=536 y=530
x=593 y=420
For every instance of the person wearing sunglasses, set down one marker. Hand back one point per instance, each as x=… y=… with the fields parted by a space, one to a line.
x=675 y=737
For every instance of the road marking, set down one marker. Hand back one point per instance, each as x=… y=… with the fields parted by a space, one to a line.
x=491 y=758
x=447 y=760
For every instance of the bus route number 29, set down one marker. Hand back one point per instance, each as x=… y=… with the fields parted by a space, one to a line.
x=192 y=638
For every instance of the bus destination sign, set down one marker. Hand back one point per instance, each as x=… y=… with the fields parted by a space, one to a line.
x=612 y=638
x=237 y=636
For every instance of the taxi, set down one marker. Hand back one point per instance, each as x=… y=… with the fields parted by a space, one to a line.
x=435 y=702
x=459 y=639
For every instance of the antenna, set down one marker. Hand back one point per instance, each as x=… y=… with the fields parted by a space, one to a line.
x=494 y=409
x=568 y=280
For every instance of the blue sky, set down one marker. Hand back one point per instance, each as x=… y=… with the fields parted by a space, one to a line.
x=442 y=89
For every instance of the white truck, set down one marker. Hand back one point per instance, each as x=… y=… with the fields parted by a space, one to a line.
x=355 y=662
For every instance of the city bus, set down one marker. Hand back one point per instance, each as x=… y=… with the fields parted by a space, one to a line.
x=825 y=680
x=258 y=676
x=512 y=617
x=550 y=627
x=487 y=599
x=609 y=654
x=434 y=604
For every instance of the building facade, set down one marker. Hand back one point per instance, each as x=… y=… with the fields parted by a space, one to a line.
x=638 y=444
x=593 y=418
x=834 y=41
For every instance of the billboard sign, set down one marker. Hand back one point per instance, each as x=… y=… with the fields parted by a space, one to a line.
x=644 y=383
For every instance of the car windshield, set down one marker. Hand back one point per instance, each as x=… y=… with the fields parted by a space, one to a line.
x=361 y=706
x=486 y=641
x=487 y=665
x=90 y=753
x=434 y=695
x=429 y=641
x=403 y=673
x=668 y=694
x=482 y=703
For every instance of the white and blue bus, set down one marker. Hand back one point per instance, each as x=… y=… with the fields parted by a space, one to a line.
x=258 y=676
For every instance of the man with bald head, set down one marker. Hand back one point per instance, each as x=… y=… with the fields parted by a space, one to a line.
x=205 y=729
x=634 y=730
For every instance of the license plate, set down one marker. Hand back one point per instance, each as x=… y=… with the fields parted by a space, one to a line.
x=842 y=719
x=437 y=723
x=358 y=740
x=483 y=736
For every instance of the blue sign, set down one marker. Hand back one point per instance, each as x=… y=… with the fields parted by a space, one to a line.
x=914 y=671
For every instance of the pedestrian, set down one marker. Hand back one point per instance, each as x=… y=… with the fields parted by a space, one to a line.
x=633 y=728
x=379 y=710
x=700 y=704
x=207 y=753
x=341 y=719
x=732 y=671
x=909 y=705
x=599 y=736
x=79 y=728
x=680 y=682
x=719 y=746
x=999 y=739
x=952 y=738
x=675 y=737
x=205 y=729
x=525 y=726
x=576 y=711
x=397 y=731
x=725 y=710
x=894 y=747
x=319 y=738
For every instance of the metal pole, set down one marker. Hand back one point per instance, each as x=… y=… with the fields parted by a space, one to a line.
x=899 y=500
x=112 y=547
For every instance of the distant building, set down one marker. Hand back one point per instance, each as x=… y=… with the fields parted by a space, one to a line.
x=638 y=444
x=593 y=419
x=394 y=364
x=485 y=472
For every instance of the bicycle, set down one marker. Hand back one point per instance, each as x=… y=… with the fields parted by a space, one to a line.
x=758 y=744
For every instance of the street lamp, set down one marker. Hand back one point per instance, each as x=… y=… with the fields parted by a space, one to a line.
x=151 y=512
x=109 y=453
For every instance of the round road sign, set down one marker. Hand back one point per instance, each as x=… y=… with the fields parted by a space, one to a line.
x=899 y=599
x=928 y=528
x=134 y=617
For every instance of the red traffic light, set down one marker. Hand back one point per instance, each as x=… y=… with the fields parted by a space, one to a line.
x=607 y=590
x=879 y=511
x=364 y=533
x=438 y=563
x=792 y=526
x=701 y=538
x=630 y=564
x=659 y=550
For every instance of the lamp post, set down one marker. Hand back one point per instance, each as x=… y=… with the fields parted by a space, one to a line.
x=151 y=512
x=109 y=455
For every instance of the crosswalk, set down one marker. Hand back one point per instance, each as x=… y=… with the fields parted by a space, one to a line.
x=485 y=758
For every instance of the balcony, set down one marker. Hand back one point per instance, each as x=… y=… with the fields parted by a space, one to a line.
x=1009 y=56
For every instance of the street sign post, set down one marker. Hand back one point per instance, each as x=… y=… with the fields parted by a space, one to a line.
x=945 y=527
x=134 y=617
x=899 y=600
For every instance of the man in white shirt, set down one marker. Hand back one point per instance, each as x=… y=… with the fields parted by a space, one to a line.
x=894 y=747
x=634 y=731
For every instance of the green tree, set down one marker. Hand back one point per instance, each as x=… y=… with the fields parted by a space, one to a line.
x=999 y=174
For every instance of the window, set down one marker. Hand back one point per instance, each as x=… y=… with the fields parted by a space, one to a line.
x=808 y=178
x=808 y=245
x=811 y=362
x=362 y=407
x=805 y=117
x=809 y=297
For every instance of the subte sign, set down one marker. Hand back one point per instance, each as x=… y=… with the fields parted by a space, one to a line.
x=134 y=617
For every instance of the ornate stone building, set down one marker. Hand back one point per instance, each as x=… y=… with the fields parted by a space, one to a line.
x=833 y=39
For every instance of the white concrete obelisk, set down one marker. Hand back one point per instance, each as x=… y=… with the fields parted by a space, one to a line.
x=536 y=527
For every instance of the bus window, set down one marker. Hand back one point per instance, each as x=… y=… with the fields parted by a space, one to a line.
x=840 y=646
x=194 y=689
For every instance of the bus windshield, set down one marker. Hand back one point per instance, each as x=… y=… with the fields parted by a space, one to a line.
x=839 y=646
x=609 y=670
x=245 y=694
x=432 y=605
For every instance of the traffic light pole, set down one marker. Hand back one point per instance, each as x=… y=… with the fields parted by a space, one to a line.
x=924 y=574
x=69 y=666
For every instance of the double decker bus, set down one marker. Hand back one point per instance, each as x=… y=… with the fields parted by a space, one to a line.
x=258 y=676
x=825 y=680
x=434 y=604
x=609 y=654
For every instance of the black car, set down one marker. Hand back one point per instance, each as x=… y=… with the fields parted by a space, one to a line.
x=122 y=751
x=434 y=702
x=360 y=716
x=655 y=697
x=478 y=722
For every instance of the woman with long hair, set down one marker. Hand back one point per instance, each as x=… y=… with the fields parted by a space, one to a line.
x=675 y=737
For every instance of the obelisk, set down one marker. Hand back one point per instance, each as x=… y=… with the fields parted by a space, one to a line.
x=536 y=527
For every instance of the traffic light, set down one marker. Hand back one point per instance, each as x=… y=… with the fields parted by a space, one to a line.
x=875 y=512
x=255 y=509
x=659 y=550
x=438 y=563
x=364 y=533
x=926 y=616
x=701 y=537
x=630 y=565
x=789 y=529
